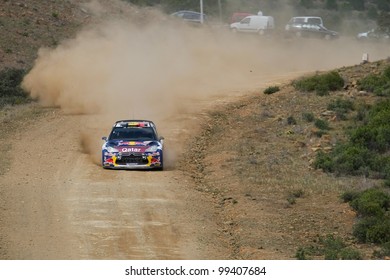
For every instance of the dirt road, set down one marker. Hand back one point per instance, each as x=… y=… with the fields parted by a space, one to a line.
x=61 y=205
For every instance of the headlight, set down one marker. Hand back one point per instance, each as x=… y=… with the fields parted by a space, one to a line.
x=112 y=150
x=152 y=149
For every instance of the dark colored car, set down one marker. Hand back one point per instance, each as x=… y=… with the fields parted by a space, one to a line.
x=133 y=144
x=309 y=27
x=190 y=16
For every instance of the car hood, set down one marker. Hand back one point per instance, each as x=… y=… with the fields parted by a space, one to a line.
x=132 y=146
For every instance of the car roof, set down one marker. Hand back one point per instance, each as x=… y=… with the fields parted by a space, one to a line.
x=186 y=11
x=307 y=17
x=134 y=123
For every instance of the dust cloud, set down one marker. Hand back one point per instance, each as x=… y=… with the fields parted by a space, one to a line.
x=153 y=69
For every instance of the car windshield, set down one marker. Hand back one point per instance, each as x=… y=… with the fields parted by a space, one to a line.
x=133 y=133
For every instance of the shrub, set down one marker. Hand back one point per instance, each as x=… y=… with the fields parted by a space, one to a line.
x=324 y=161
x=291 y=120
x=330 y=247
x=10 y=90
x=350 y=254
x=321 y=124
x=372 y=230
x=271 y=90
x=301 y=254
x=350 y=159
x=341 y=107
x=321 y=84
x=377 y=84
x=362 y=112
x=371 y=202
x=375 y=134
x=372 y=207
x=384 y=251
x=309 y=117
x=349 y=195
x=366 y=150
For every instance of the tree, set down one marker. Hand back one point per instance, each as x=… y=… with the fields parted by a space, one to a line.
x=383 y=22
x=357 y=4
x=306 y=3
x=383 y=5
x=331 y=5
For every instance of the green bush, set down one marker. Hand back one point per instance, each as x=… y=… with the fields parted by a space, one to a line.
x=350 y=159
x=324 y=161
x=366 y=150
x=271 y=90
x=321 y=84
x=362 y=111
x=377 y=84
x=341 y=107
x=349 y=195
x=375 y=134
x=321 y=124
x=384 y=251
x=371 y=202
x=301 y=254
x=10 y=91
x=350 y=254
x=372 y=230
x=291 y=120
x=309 y=117
x=331 y=248
x=372 y=207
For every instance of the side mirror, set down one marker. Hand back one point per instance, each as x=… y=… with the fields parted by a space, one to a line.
x=104 y=138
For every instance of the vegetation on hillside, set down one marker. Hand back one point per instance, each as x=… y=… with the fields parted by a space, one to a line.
x=11 y=92
x=321 y=84
x=364 y=152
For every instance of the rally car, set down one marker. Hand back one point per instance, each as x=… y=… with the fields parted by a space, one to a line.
x=133 y=144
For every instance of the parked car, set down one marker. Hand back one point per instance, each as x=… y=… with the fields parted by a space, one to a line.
x=309 y=26
x=190 y=16
x=133 y=144
x=373 y=35
x=254 y=24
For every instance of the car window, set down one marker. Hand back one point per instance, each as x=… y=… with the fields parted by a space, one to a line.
x=246 y=20
x=179 y=14
x=299 y=20
x=141 y=134
x=314 y=21
x=191 y=16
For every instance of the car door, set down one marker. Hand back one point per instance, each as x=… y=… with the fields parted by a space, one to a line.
x=244 y=25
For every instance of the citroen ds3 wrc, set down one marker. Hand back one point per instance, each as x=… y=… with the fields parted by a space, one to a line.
x=133 y=144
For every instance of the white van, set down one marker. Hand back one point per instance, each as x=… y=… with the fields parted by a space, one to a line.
x=254 y=24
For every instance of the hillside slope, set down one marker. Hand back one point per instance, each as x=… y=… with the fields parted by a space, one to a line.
x=257 y=166
x=26 y=26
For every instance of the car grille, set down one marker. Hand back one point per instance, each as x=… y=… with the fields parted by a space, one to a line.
x=137 y=159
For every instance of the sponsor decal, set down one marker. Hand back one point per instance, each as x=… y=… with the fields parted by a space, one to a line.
x=131 y=149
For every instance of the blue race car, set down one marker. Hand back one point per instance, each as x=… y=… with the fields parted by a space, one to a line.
x=133 y=144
